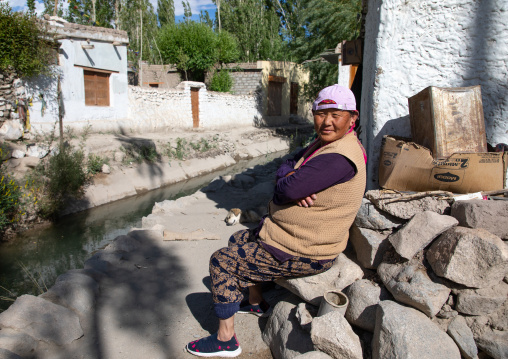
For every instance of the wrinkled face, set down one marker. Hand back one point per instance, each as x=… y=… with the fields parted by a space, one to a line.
x=332 y=124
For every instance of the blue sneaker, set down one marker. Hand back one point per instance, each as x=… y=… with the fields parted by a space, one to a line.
x=262 y=309
x=213 y=347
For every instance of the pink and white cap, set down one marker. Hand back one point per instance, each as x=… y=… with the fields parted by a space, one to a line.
x=335 y=96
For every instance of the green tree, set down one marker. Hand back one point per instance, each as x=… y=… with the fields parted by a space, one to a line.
x=91 y=12
x=165 y=12
x=30 y=4
x=227 y=48
x=204 y=17
x=326 y=24
x=194 y=48
x=138 y=18
x=23 y=44
x=187 y=12
x=49 y=7
x=256 y=25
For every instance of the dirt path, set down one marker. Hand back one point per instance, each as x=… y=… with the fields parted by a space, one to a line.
x=156 y=295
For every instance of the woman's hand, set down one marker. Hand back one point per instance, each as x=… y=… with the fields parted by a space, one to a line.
x=307 y=201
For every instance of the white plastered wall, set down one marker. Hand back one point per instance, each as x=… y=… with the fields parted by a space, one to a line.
x=72 y=59
x=410 y=45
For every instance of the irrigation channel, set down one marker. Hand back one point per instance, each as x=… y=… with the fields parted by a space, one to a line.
x=30 y=263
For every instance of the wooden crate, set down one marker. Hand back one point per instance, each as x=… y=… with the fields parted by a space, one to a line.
x=448 y=120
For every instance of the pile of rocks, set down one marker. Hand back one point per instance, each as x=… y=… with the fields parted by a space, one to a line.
x=425 y=278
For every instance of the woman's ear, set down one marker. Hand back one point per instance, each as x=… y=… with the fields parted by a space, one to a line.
x=354 y=117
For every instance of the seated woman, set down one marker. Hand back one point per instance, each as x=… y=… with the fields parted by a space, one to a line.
x=316 y=199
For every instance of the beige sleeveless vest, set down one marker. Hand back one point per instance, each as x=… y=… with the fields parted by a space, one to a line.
x=321 y=231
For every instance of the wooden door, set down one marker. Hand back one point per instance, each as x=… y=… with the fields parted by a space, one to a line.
x=293 y=103
x=274 y=98
x=195 y=106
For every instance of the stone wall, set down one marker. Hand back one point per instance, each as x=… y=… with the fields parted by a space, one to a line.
x=153 y=109
x=410 y=45
x=12 y=96
x=7 y=95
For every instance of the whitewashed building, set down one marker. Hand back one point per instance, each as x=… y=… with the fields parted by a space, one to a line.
x=92 y=66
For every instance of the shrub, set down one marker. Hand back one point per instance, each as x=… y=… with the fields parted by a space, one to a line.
x=66 y=178
x=94 y=163
x=10 y=194
x=23 y=45
x=221 y=81
x=148 y=153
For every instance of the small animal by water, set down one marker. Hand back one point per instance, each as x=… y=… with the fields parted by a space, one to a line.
x=251 y=215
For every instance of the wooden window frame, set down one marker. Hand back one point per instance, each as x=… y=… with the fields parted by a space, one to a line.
x=96 y=84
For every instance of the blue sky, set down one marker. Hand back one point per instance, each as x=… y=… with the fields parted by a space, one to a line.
x=196 y=7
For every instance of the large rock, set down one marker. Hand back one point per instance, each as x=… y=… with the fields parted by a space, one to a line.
x=372 y=218
x=463 y=337
x=311 y=288
x=11 y=130
x=403 y=332
x=243 y=181
x=409 y=283
x=7 y=354
x=216 y=184
x=497 y=320
x=481 y=301
x=332 y=334
x=123 y=243
x=74 y=290
x=42 y=320
x=494 y=343
x=419 y=232
x=39 y=151
x=313 y=355
x=369 y=245
x=20 y=166
x=406 y=209
x=104 y=261
x=17 y=154
x=283 y=333
x=16 y=342
x=364 y=297
x=490 y=215
x=472 y=257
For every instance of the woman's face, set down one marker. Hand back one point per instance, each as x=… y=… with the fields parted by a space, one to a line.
x=332 y=124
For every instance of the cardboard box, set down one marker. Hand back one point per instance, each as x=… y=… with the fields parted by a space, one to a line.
x=407 y=166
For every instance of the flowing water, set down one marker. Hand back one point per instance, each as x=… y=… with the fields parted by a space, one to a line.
x=31 y=262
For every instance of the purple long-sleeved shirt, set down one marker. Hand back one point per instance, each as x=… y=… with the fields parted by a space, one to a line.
x=315 y=175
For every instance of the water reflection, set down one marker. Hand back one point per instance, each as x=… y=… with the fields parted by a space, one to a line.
x=52 y=250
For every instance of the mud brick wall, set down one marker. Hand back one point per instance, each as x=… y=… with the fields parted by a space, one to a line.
x=247 y=82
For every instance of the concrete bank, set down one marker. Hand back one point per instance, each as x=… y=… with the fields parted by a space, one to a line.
x=125 y=182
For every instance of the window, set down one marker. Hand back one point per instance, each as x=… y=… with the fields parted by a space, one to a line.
x=96 y=88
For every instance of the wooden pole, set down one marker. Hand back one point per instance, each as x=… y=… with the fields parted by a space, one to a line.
x=56 y=7
x=141 y=49
x=60 y=110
